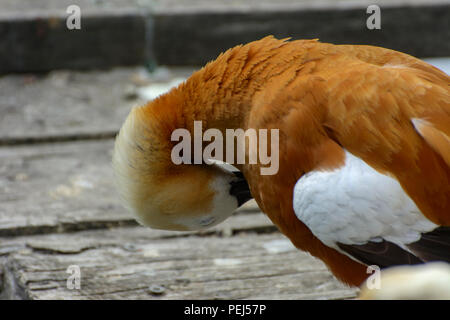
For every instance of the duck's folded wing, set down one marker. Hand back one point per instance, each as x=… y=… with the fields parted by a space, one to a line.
x=389 y=203
x=397 y=119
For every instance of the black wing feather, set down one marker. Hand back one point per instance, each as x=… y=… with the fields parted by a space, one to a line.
x=383 y=254
x=432 y=246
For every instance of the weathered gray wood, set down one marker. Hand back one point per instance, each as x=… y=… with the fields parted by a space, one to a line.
x=60 y=187
x=125 y=262
x=67 y=105
x=50 y=188
x=57 y=187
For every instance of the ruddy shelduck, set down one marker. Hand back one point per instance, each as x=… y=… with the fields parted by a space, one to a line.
x=364 y=152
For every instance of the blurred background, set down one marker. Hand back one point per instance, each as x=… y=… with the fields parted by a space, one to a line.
x=34 y=34
x=71 y=70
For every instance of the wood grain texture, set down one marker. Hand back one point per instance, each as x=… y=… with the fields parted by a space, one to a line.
x=56 y=187
x=60 y=187
x=65 y=105
x=125 y=263
x=50 y=221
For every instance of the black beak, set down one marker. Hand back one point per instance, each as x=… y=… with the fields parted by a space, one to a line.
x=240 y=189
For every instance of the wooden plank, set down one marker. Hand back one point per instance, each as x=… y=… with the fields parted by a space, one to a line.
x=130 y=263
x=65 y=105
x=57 y=187
x=60 y=187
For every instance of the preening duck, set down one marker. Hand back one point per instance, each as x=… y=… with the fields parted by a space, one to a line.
x=364 y=151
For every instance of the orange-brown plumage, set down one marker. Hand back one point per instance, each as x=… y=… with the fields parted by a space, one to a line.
x=324 y=99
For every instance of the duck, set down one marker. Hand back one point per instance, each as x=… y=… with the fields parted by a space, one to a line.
x=363 y=152
x=426 y=281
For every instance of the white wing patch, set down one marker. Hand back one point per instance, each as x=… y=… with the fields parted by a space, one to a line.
x=356 y=204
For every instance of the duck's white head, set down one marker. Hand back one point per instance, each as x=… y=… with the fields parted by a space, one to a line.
x=163 y=195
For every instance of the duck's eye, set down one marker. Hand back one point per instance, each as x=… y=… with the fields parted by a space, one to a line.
x=206 y=221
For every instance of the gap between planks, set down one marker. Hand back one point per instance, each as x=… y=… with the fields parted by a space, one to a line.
x=124 y=263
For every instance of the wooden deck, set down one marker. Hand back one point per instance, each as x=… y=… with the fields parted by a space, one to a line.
x=58 y=208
